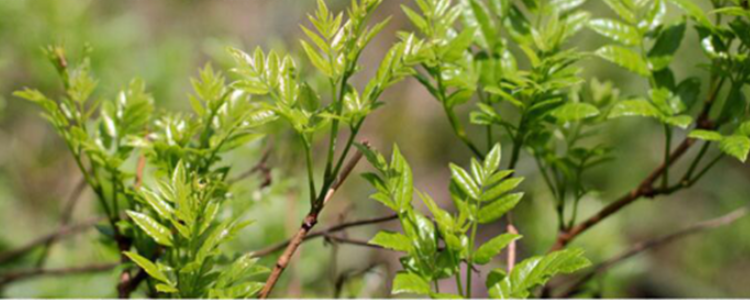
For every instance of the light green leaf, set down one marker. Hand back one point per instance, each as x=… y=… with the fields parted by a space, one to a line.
x=625 y=58
x=321 y=64
x=495 y=210
x=682 y=121
x=157 y=231
x=736 y=145
x=148 y=266
x=617 y=31
x=492 y=160
x=571 y=112
x=623 y=10
x=500 y=189
x=410 y=283
x=638 y=107
x=464 y=181
x=537 y=271
x=161 y=207
x=694 y=11
x=163 y=288
x=706 y=135
x=492 y=248
x=392 y=240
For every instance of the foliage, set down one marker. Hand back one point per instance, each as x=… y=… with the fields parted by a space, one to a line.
x=436 y=247
x=171 y=232
x=509 y=66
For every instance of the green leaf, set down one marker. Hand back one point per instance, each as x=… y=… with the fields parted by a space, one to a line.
x=624 y=11
x=392 y=240
x=154 y=229
x=492 y=248
x=163 y=288
x=736 y=145
x=625 y=58
x=321 y=64
x=416 y=20
x=682 y=121
x=147 y=266
x=500 y=189
x=492 y=160
x=486 y=24
x=464 y=181
x=410 y=283
x=404 y=187
x=694 y=11
x=617 y=31
x=495 y=210
x=706 y=135
x=574 y=111
x=638 y=107
x=667 y=43
x=562 y=6
x=161 y=207
x=537 y=271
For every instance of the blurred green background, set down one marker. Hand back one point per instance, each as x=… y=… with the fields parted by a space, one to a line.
x=165 y=42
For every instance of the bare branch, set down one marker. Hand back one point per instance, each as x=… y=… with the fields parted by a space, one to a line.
x=262 y=167
x=67 y=214
x=13 y=276
x=652 y=244
x=327 y=231
x=309 y=222
x=49 y=238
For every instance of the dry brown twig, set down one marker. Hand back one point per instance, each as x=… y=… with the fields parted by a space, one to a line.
x=307 y=224
x=652 y=244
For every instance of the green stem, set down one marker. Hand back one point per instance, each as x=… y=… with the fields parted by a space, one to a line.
x=667 y=150
x=694 y=164
x=470 y=261
x=309 y=163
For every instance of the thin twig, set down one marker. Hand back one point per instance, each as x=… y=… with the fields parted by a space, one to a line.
x=654 y=243
x=13 y=276
x=65 y=217
x=348 y=241
x=646 y=187
x=262 y=167
x=309 y=222
x=49 y=238
x=327 y=231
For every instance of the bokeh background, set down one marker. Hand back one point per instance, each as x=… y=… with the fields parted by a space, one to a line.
x=165 y=42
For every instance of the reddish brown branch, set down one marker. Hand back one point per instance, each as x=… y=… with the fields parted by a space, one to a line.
x=309 y=222
x=652 y=244
x=35 y=272
x=646 y=187
x=325 y=232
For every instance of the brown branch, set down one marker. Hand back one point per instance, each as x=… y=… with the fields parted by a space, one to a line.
x=348 y=241
x=646 y=187
x=260 y=167
x=13 y=276
x=47 y=239
x=654 y=243
x=65 y=217
x=325 y=232
x=309 y=222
